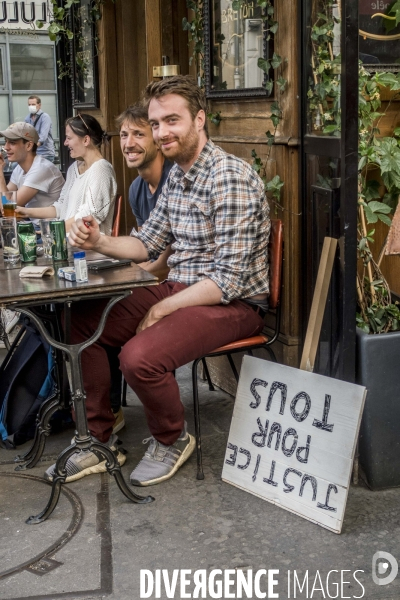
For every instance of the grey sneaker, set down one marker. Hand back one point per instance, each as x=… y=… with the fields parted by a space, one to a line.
x=86 y=463
x=162 y=462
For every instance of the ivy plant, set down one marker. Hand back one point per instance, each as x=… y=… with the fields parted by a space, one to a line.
x=64 y=16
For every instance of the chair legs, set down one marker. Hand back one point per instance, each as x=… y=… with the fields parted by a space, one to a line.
x=200 y=474
x=196 y=406
x=124 y=389
x=207 y=373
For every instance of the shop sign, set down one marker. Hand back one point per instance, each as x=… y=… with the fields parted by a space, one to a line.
x=292 y=439
x=370 y=7
x=20 y=17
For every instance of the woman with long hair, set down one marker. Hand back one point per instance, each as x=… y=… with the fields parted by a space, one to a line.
x=90 y=187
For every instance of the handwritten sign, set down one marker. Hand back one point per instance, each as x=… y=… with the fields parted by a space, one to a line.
x=292 y=439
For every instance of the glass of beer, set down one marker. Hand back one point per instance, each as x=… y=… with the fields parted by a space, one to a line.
x=9 y=240
x=9 y=200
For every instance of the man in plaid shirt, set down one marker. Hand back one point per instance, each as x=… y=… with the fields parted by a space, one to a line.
x=214 y=212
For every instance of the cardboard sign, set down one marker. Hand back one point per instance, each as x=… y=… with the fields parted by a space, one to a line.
x=292 y=439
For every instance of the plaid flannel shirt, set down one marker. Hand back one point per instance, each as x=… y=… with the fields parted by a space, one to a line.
x=217 y=218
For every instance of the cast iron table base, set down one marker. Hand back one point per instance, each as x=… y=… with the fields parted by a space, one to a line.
x=83 y=441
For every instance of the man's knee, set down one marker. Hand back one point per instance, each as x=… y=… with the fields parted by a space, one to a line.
x=137 y=362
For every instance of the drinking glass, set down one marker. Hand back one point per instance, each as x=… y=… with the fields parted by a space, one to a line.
x=47 y=239
x=9 y=200
x=9 y=240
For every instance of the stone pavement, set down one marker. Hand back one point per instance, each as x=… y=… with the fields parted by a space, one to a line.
x=96 y=542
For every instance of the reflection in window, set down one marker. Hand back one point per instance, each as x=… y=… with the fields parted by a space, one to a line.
x=237 y=43
x=32 y=67
x=84 y=55
x=379 y=36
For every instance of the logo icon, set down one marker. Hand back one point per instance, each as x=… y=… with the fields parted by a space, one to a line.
x=385 y=564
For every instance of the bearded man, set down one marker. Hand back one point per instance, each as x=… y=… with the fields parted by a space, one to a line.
x=213 y=211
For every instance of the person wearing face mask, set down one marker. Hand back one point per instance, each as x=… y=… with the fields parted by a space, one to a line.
x=41 y=121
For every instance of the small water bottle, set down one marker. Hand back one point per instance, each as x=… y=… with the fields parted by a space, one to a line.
x=80 y=266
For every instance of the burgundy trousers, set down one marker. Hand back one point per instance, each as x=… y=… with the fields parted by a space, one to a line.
x=148 y=359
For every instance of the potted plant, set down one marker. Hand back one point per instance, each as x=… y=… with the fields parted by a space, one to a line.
x=379 y=189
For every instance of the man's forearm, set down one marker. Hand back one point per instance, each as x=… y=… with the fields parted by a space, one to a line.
x=202 y=293
x=122 y=247
x=3 y=185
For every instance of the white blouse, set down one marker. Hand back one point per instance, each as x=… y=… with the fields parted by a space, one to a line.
x=92 y=193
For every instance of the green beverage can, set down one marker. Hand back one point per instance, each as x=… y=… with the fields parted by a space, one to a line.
x=27 y=241
x=59 y=250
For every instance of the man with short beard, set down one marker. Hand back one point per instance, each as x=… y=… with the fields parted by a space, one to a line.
x=142 y=153
x=214 y=211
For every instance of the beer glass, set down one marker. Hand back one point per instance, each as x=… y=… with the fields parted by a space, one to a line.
x=9 y=200
x=9 y=240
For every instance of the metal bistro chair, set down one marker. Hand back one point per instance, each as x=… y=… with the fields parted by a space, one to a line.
x=275 y=251
x=117 y=216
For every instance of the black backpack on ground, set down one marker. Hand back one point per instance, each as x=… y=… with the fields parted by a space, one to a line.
x=26 y=380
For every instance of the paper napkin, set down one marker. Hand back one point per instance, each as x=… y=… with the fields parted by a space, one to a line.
x=35 y=271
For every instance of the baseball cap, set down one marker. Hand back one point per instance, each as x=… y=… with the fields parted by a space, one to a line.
x=21 y=130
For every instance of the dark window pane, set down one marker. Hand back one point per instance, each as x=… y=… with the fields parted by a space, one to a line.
x=379 y=36
x=32 y=67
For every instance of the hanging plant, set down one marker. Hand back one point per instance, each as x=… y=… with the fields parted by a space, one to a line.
x=69 y=22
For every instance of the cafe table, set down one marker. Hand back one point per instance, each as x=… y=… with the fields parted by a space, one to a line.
x=24 y=294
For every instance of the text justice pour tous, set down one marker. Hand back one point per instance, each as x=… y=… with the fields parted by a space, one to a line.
x=264 y=437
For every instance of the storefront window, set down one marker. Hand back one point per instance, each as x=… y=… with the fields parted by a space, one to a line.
x=27 y=66
x=236 y=40
x=379 y=36
x=32 y=67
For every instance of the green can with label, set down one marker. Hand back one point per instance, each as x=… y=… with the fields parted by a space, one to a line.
x=27 y=241
x=59 y=250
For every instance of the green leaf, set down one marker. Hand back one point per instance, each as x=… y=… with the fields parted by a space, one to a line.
x=281 y=83
x=370 y=216
x=362 y=163
x=375 y=206
x=385 y=219
x=271 y=137
x=269 y=85
x=263 y=64
x=276 y=60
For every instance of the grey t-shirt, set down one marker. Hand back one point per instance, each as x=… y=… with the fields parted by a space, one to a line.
x=142 y=201
x=42 y=176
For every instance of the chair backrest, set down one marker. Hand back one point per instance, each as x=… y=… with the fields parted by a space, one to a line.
x=275 y=250
x=117 y=216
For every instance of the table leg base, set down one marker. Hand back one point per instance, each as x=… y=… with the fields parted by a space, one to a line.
x=52 y=503
x=43 y=429
x=112 y=466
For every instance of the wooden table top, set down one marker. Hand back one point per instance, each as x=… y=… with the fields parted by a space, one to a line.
x=17 y=290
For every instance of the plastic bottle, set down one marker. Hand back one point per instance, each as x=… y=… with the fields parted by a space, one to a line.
x=80 y=266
